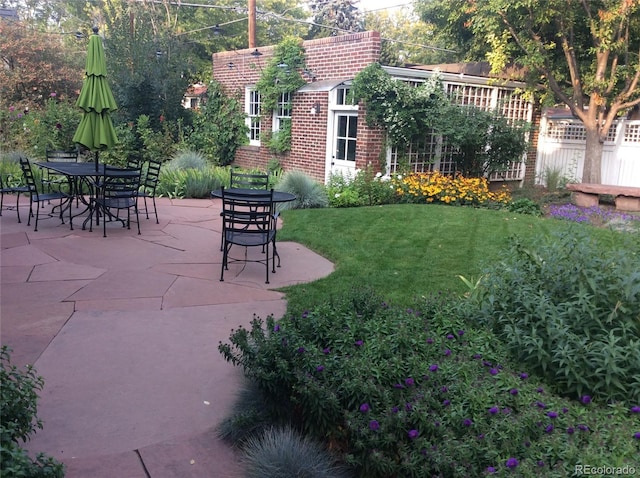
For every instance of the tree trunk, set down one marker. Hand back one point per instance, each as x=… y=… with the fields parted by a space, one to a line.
x=592 y=171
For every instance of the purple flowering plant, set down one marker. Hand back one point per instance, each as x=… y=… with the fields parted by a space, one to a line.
x=399 y=407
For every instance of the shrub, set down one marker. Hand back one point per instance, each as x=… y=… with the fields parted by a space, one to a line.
x=282 y=452
x=567 y=306
x=525 y=206
x=309 y=192
x=417 y=392
x=18 y=421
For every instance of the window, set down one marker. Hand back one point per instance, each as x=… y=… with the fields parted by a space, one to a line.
x=252 y=109
x=282 y=114
x=343 y=98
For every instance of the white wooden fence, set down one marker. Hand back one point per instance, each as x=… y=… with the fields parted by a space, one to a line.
x=561 y=147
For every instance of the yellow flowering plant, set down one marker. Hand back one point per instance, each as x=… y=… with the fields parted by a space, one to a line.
x=435 y=187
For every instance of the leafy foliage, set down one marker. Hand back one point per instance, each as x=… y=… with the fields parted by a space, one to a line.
x=338 y=16
x=418 y=392
x=218 y=126
x=281 y=74
x=18 y=421
x=34 y=65
x=525 y=206
x=568 y=308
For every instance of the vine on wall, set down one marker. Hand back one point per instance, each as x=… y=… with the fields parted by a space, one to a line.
x=281 y=75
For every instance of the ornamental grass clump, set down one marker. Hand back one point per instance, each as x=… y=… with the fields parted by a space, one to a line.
x=436 y=187
x=418 y=392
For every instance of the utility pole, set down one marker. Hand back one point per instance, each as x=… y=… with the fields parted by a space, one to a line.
x=252 y=23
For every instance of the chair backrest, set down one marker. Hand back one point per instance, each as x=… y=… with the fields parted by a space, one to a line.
x=59 y=156
x=245 y=215
x=118 y=183
x=27 y=174
x=249 y=180
x=151 y=176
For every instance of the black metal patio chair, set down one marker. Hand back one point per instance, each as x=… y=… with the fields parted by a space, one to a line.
x=37 y=197
x=249 y=221
x=7 y=189
x=117 y=190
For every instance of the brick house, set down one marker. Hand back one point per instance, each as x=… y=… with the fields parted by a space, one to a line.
x=329 y=135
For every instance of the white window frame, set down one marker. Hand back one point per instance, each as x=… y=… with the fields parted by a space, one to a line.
x=282 y=112
x=252 y=110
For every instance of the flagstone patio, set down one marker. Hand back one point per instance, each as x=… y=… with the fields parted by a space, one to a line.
x=125 y=329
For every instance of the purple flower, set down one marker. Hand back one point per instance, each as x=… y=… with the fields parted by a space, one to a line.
x=395 y=410
x=410 y=382
x=467 y=422
x=511 y=463
x=364 y=407
x=429 y=340
x=494 y=410
x=636 y=435
x=583 y=428
x=540 y=463
x=586 y=399
x=481 y=436
x=398 y=385
x=570 y=431
x=58 y=126
x=374 y=425
x=491 y=470
x=549 y=428
x=450 y=336
x=446 y=403
x=513 y=391
x=552 y=414
x=320 y=368
x=412 y=434
x=326 y=350
x=359 y=343
x=524 y=375
x=493 y=371
x=434 y=367
x=540 y=390
x=276 y=328
x=447 y=352
x=301 y=350
x=635 y=409
x=53 y=94
x=541 y=405
x=460 y=332
x=565 y=409
x=444 y=389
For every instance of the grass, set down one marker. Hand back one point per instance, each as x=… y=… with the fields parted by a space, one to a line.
x=405 y=251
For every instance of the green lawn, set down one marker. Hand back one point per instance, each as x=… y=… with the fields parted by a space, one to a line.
x=407 y=250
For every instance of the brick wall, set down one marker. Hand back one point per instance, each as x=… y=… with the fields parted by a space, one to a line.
x=339 y=58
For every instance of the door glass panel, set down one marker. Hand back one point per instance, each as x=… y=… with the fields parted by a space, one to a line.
x=351 y=150
x=341 y=147
x=342 y=126
x=353 y=126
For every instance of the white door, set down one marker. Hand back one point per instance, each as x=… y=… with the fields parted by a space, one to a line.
x=343 y=144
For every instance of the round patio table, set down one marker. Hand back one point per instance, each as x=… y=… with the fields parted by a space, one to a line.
x=278 y=196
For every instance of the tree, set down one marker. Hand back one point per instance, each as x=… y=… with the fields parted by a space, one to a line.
x=586 y=53
x=34 y=64
x=417 y=36
x=337 y=16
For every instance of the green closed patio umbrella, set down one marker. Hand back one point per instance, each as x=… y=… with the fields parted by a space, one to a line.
x=95 y=130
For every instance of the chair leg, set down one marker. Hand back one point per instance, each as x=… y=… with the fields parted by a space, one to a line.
x=155 y=209
x=18 y=207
